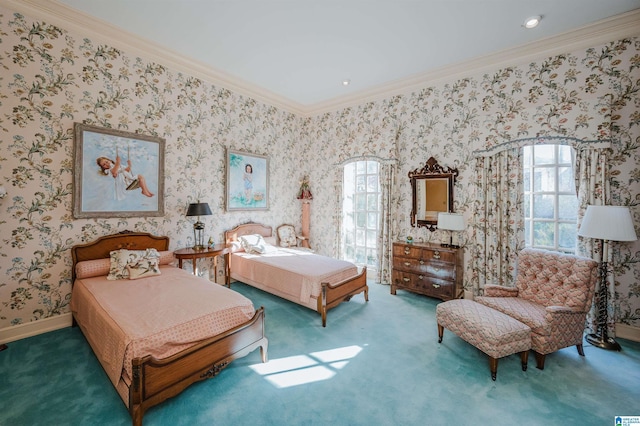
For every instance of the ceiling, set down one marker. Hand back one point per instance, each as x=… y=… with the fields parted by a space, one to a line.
x=300 y=51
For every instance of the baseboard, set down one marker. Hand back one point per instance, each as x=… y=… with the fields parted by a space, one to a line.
x=33 y=328
x=628 y=332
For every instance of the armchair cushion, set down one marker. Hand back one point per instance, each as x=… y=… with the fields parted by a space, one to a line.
x=525 y=311
x=492 y=290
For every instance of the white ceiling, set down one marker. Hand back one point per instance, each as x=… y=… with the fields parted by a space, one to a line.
x=301 y=50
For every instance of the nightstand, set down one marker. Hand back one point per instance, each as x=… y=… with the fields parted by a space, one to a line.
x=195 y=254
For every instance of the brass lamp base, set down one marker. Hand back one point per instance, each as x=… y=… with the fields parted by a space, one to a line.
x=602 y=342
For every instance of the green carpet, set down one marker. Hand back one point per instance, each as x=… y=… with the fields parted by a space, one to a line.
x=376 y=363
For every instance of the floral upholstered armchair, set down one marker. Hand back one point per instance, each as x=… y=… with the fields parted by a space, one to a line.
x=553 y=294
x=287 y=236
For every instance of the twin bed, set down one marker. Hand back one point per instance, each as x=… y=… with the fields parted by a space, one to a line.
x=156 y=328
x=300 y=276
x=158 y=334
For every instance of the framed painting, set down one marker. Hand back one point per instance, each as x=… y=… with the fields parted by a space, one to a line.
x=117 y=173
x=247 y=181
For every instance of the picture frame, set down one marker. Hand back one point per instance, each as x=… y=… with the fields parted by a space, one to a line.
x=247 y=181
x=117 y=173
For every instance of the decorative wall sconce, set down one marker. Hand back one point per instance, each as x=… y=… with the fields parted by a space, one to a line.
x=305 y=190
x=198 y=209
x=306 y=196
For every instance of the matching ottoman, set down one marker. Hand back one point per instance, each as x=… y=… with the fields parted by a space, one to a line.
x=493 y=332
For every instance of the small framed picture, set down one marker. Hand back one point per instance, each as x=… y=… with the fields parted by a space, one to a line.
x=247 y=181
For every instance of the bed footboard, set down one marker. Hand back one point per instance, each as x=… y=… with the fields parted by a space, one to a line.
x=155 y=380
x=334 y=294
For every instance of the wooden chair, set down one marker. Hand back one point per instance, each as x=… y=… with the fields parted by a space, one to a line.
x=287 y=236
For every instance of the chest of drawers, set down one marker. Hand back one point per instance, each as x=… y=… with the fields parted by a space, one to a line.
x=428 y=269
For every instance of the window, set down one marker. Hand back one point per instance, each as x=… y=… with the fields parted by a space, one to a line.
x=550 y=200
x=361 y=213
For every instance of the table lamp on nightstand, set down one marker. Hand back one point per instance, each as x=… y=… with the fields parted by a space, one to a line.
x=198 y=209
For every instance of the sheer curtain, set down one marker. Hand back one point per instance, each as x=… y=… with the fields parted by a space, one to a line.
x=498 y=218
x=338 y=191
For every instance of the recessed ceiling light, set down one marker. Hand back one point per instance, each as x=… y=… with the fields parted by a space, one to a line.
x=532 y=21
x=346 y=82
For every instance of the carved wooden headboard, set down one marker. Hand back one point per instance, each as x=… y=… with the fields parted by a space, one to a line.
x=250 y=228
x=103 y=246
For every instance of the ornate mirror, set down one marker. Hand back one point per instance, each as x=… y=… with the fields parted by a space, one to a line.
x=432 y=188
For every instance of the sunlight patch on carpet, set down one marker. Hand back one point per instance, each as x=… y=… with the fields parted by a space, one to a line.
x=302 y=369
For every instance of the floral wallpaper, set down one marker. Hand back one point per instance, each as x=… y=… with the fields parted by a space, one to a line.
x=52 y=78
x=591 y=95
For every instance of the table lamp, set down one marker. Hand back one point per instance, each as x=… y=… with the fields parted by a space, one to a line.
x=198 y=209
x=450 y=222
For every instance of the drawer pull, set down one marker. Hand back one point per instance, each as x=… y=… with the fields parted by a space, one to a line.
x=407 y=263
x=436 y=285
x=436 y=254
x=406 y=280
x=421 y=277
x=407 y=250
x=421 y=262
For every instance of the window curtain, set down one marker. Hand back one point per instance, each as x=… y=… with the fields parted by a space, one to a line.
x=592 y=187
x=498 y=219
x=337 y=212
x=385 y=238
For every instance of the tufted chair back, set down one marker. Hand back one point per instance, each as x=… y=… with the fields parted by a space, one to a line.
x=555 y=279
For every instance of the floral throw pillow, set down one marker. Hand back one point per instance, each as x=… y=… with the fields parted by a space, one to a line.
x=133 y=264
x=253 y=243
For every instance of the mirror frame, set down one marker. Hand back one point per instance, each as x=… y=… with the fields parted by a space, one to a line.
x=431 y=170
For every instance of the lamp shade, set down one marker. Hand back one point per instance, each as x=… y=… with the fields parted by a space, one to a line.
x=611 y=223
x=199 y=209
x=451 y=221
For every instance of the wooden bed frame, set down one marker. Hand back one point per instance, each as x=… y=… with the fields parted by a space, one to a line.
x=332 y=294
x=155 y=380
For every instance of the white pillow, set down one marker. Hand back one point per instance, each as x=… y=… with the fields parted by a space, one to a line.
x=253 y=243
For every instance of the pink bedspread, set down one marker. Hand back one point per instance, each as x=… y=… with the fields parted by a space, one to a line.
x=294 y=272
x=159 y=316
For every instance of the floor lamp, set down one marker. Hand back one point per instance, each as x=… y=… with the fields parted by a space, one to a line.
x=606 y=223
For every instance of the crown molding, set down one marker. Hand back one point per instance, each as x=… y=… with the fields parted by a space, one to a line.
x=610 y=29
x=615 y=28
x=73 y=20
